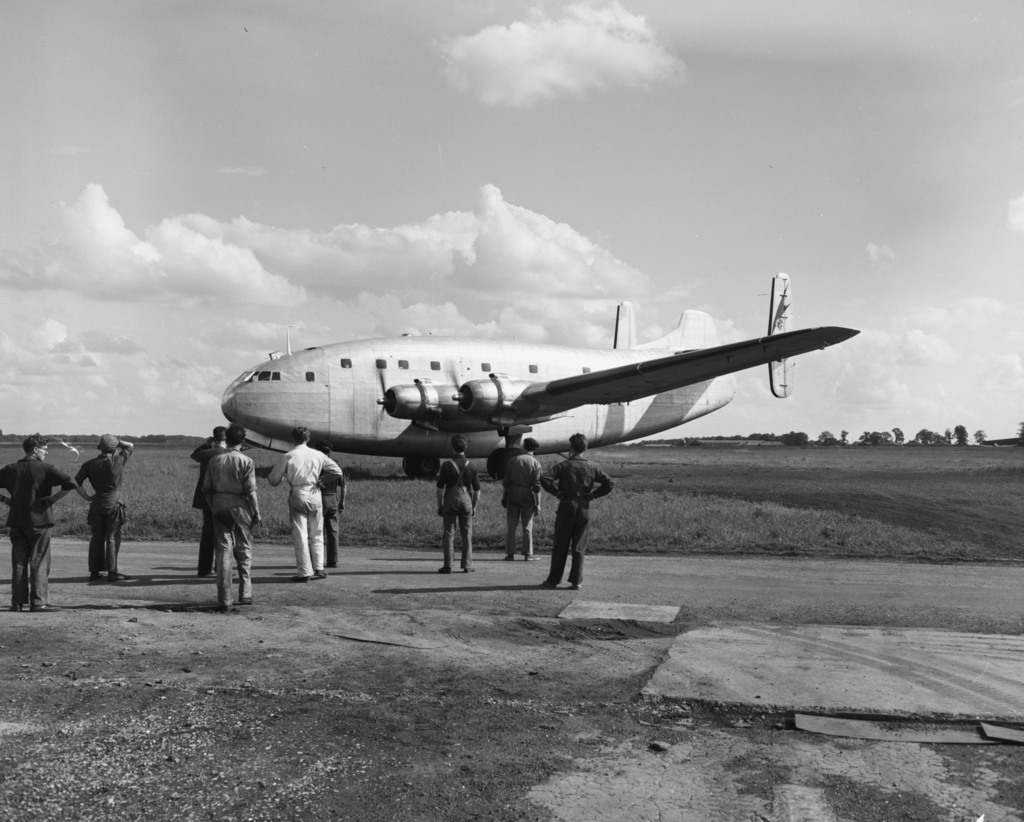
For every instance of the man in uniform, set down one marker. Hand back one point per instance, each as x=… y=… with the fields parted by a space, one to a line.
x=332 y=497
x=302 y=468
x=521 y=499
x=458 y=491
x=203 y=454
x=230 y=490
x=105 y=473
x=575 y=482
x=29 y=482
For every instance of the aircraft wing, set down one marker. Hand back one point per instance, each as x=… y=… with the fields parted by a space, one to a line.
x=626 y=383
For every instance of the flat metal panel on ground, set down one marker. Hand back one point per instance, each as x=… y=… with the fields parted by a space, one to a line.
x=864 y=670
x=585 y=609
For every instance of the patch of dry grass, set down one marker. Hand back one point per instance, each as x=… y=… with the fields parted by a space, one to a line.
x=386 y=509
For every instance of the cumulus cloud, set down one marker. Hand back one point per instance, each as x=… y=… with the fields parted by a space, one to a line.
x=540 y=58
x=1015 y=220
x=920 y=348
x=881 y=256
x=500 y=263
x=96 y=254
x=49 y=334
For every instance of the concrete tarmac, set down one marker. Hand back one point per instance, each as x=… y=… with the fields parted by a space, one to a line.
x=807 y=640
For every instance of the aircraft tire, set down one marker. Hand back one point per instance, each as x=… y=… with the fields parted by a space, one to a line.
x=421 y=467
x=498 y=459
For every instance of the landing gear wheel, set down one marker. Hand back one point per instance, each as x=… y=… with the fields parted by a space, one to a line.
x=498 y=459
x=421 y=467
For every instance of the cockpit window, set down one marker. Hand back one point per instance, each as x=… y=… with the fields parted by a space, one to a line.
x=263 y=376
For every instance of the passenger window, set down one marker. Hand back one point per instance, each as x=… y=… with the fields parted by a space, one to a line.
x=435 y=365
x=533 y=369
x=586 y=369
x=346 y=363
x=485 y=366
x=382 y=363
x=403 y=363
x=310 y=376
x=263 y=376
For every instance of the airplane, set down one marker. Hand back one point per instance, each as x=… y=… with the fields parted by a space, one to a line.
x=406 y=396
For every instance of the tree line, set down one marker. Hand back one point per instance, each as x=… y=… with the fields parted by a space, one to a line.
x=951 y=436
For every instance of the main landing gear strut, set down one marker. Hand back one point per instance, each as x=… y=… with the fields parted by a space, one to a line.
x=499 y=457
x=421 y=467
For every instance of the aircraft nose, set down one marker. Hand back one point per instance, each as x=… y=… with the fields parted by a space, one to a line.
x=228 y=404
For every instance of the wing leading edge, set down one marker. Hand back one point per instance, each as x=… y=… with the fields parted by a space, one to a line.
x=626 y=383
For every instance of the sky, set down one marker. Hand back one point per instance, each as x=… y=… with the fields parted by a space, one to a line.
x=181 y=182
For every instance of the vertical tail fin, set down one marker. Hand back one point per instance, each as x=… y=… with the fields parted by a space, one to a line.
x=625 y=329
x=780 y=320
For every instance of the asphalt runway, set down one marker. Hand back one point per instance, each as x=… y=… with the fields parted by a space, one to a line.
x=807 y=639
x=905 y=640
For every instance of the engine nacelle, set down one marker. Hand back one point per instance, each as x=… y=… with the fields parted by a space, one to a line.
x=420 y=401
x=491 y=397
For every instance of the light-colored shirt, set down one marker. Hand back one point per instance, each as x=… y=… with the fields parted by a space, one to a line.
x=230 y=472
x=301 y=468
x=522 y=480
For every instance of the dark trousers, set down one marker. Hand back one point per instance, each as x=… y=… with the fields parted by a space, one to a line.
x=105 y=542
x=206 y=542
x=464 y=521
x=331 y=528
x=30 y=566
x=571 y=523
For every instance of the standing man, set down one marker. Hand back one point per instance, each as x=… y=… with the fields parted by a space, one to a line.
x=521 y=499
x=29 y=482
x=213 y=447
x=105 y=473
x=332 y=498
x=230 y=490
x=575 y=482
x=302 y=468
x=458 y=491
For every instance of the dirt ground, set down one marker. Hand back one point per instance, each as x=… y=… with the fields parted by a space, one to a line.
x=387 y=692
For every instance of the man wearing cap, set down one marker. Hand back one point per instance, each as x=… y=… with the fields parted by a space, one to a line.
x=521 y=498
x=105 y=473
x=575 y=482
x=302 y=469
x=214 y=446
x=29 y=481
x=229 y=486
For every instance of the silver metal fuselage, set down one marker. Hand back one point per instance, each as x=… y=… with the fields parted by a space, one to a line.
x=334 y=391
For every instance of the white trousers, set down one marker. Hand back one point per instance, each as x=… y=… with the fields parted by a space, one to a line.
x=307 y=515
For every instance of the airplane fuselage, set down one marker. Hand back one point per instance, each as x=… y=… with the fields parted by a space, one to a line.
x=335 y=391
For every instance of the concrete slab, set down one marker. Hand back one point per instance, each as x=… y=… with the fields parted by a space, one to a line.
x=582 y=609
x=863 y=670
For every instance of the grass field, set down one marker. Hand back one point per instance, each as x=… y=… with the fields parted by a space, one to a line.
x=929 y=504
